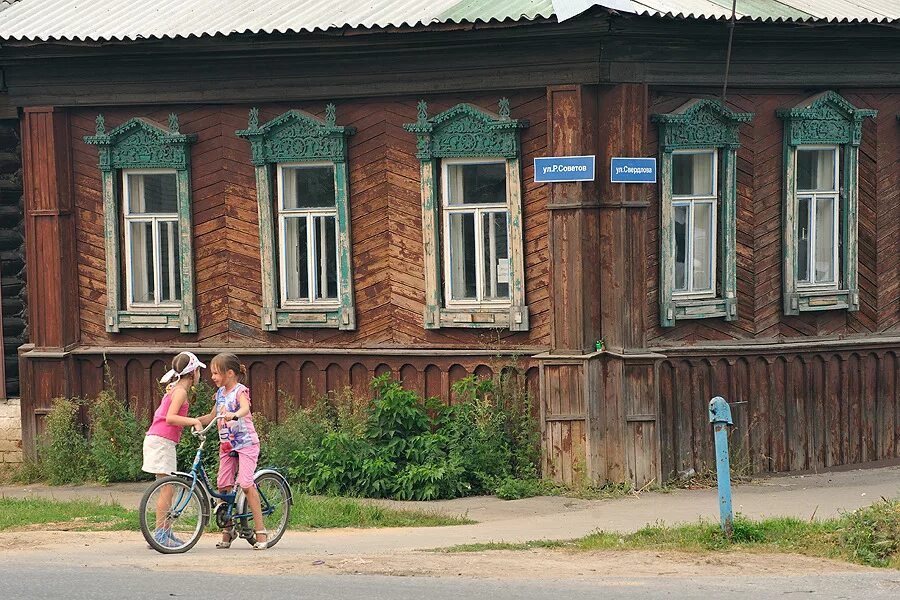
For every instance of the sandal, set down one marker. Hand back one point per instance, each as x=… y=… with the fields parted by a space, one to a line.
x=261 y=545
x=231 y=534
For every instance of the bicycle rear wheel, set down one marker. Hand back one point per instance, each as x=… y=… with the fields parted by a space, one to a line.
x=173 y=515
x=275 y=501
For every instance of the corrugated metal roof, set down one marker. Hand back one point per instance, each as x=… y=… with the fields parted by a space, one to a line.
x=95 y=20
x=137 y=19
x=751 y=10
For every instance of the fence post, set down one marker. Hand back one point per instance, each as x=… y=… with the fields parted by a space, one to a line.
x=720 y=417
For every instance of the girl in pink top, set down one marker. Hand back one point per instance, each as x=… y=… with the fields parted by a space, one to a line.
x=165 y=432
x=238 y=442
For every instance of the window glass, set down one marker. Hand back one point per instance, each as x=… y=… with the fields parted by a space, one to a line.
x=803 y=239
x=702 y=246
x=496 y=255
x=481 y=183
x=296 y=274
x=681 y=223
x=152 y=193
x=462 y=256
x=825 y=239
x=692 y=174
x=815 y=169
x=143 y=284
x=308 y=187
x=326 y=258
x=170 y=264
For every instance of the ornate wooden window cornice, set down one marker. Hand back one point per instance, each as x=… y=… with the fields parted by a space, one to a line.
x=141 y=143
x=299 y=137
x=696 y=125
x=466 y=131
x=823 y=119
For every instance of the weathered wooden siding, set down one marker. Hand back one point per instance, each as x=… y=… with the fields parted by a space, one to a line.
x=802 y=411
x=276 y=379
x=759 y=228
x=807 y=407
x=386 y=216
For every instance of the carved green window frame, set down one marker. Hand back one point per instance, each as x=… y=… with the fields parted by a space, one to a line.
x=468 y=132
x=825 y=119
x=700 y=125
x=143 y=144
x=296 y=137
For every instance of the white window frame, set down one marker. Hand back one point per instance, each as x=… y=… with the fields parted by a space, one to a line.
x=478 y=210
x=155 y=219
x=313 y=255
x=813 y=197
x=691 y=202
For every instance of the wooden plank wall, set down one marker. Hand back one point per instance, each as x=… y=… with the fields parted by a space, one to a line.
x=803 y=411
x=808 y=408
x=277 y=380
x=386 y=220
x=759 y=240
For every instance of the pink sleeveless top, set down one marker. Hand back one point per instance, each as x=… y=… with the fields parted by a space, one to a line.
x=160 y=427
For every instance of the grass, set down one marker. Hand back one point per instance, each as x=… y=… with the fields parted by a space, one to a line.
x=308 y=512
x=325 y=512
x=79 y=515
x=869 y=536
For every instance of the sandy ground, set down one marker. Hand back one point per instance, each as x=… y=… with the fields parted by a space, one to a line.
x=128 y=549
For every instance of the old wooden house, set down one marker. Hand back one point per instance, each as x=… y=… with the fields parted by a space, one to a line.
x=334 y=191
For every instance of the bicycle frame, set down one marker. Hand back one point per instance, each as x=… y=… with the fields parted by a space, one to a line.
x=199 y=477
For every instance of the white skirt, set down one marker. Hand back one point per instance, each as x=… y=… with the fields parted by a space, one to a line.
x=159 y=455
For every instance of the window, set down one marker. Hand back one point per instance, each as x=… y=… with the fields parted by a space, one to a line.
x=694 y=200
x=304 y=219
x=152 y=260
x=817 y=216
x=307 y=226
x=145 y=169
x=476 y=230
x=472 y=217
x=698 y=188
x=821 y=144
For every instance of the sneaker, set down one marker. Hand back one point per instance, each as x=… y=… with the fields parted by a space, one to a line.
x=176 y=541
x=164 y=538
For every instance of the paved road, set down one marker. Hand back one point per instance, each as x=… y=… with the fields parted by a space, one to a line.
x=37 y=582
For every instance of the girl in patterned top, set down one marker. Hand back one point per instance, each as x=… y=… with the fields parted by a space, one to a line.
x=238 y=442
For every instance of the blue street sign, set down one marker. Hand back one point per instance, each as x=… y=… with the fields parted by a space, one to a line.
x=563 y=168
x=632 y=170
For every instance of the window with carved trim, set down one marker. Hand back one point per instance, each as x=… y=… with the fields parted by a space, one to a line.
x=698 y=145
x=472 y=217
x=307 y=234
x=821 y=203
x=145 y=169
x=304 y=219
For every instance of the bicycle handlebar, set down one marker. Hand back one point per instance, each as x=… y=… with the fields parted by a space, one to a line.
x=207 y=428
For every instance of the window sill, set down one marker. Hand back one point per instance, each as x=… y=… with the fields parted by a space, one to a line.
x=706 y=308
x=166 y=318
x=810 y=300
x=307 y=317
x=514 y=318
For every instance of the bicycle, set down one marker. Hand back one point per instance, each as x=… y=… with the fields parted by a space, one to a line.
x=175 y=510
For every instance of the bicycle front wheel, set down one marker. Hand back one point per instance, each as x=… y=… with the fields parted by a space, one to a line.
x=173 y=515
x=275 y=502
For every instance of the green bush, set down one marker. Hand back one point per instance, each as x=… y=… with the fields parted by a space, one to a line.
x=398 y=446
x=116 y=439
x=63 y=450
x=871 y=535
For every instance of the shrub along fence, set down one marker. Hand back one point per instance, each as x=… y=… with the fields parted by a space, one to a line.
x=393 y=444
